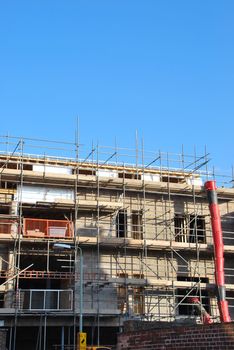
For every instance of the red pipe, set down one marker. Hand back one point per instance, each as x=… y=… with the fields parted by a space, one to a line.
x=210 y=187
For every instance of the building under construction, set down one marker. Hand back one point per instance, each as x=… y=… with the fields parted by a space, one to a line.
x=101 y=236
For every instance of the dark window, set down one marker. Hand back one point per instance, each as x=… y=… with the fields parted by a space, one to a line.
x=86 y=172
x=8 y=165
x=4 y=208
x=10 y=185
x=197 y=228
x=1 y=300
x=121 y=224
x=129 y=176
x=27 y=167
x=171 y=179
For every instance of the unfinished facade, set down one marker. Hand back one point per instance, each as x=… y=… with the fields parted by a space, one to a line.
x=143 y=228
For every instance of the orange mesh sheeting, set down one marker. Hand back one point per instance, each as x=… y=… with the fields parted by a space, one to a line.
x=6 y=226
x=47 y=228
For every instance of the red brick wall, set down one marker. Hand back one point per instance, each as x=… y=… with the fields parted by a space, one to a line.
x=197 y=337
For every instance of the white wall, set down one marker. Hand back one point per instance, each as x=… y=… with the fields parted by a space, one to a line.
x=52 y=169
x=33 y=194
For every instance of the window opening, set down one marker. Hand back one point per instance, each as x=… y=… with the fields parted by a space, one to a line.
x=86 y=172
x=138 y=297
x=197 y=226
x=121 y=224
x=188 y=227
x=137 y=232
x=180 y=228
x=129 y=176
x=122 y=293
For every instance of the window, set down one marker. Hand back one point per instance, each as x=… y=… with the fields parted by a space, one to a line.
x=197 y=227
x=1 y=299
x=122 y=293
x=188 y=227
x=171 y=179
x=180 y=228
x=137 y=232
x=4 y=208
x=185 y=307
x=138 y=300
x=138 y=297
x=5 y=184
x=129 y=176
x=121 y=224
x=86 y=172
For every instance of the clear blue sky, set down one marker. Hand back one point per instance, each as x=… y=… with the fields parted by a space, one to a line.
x=164 y=67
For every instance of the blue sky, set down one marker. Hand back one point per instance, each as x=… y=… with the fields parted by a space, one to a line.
x=163 y=67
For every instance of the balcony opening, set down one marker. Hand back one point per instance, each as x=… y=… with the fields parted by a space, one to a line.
x=121 y=224
x=48 y=228
x=41 y=212
x=54 y=271
x=185 y=307
x=48 y=223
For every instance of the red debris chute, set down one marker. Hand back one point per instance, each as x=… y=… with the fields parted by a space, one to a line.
x=210 y=187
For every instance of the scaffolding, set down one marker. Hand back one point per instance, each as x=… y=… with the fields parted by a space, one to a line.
x=141 y=219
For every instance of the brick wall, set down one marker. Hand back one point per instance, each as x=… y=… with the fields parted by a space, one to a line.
x=197 y=337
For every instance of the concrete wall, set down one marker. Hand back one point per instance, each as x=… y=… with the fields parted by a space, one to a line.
x=158 y=214
x=3 y=333
x=156 y=266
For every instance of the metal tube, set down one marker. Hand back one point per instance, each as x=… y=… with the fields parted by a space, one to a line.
x=81 y=290
x=62 y=338
x=45 y=335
